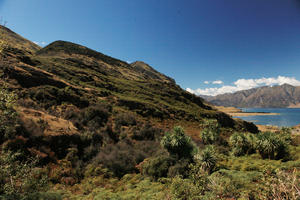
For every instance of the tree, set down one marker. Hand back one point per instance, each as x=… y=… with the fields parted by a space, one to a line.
x=178 y=144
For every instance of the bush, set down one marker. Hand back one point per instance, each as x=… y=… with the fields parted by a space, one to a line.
x=284 y=185
x=242 y=143
x=49 y=96
x=271 y=145
x=20 y=179
x=92 y=117
x=123 y=157
x=180 y=168
x=178 y=144
x=8 y=115
x=157 y=167
x=125 y=119
x=96 y=116
x=211 y=133
x=147 y=132
x=207 y=159
x=185 y=189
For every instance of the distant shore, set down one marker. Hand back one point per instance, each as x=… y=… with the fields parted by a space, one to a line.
x=235 y=112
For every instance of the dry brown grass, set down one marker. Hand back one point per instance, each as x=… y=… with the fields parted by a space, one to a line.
x=287 y=186
x=54 y=125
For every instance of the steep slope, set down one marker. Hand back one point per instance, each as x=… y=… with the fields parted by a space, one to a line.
x=150 y=73
x=17 y=42
x=65 y=75
x=137 y=87
x=83 y=115
x=272 y=97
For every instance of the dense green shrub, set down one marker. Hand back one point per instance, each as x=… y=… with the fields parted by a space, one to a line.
x=147 y=132
x=271 y=145
x=125 y=119
x=207 y=159
x=157 y=167
x=49 y=96
x=211 y=133
x=96 y=116
x=8 y=115
x=180 y=168
x=185 y=189
x=20 y=179
x=92 y=117
x=123 y=157
x=178 y=144
x=242 y=143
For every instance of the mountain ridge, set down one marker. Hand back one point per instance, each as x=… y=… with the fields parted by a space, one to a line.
x=279 y=96
x=84 y=77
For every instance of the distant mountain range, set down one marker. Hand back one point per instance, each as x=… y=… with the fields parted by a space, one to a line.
x=282 y=96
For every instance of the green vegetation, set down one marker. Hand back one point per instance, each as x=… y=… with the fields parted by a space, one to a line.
x=76 y=124
x=272 y=146
x=125 y=158
x=242 y=143
x=178 y=144
x=20 y=176
x=211 y=133
x=207 y=160
x=8 y=115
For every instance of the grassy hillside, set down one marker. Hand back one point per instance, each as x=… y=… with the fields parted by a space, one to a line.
x=95 y=77
x=78 y=124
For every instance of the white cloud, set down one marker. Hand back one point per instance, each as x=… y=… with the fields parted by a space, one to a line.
x=245 y=84
x=206 y=82
x=217 y=82
x=40 y=43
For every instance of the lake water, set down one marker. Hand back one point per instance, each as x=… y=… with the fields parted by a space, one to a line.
x=286 y=117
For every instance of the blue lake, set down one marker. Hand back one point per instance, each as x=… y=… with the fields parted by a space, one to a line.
x=286 y=117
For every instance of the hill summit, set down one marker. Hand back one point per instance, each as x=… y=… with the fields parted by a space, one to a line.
x=37 y=74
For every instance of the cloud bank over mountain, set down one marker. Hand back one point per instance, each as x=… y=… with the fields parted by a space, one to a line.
x=244 y=84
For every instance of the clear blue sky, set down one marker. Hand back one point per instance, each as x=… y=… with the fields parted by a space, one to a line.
x=192 y=41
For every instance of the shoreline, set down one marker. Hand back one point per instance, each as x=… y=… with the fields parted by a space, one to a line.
x=235 y=112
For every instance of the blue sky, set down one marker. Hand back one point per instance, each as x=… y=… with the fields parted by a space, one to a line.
x=237 y=44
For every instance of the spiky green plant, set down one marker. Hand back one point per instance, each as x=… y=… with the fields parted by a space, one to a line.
x=242 y=143
x=211 y=133
x=177 y=143
x=207 y=159
x=271 y=145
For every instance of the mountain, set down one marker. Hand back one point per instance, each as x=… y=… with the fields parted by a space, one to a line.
x=65 y=74
x=74 y=99
x=262 y=97
x=78 y=124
